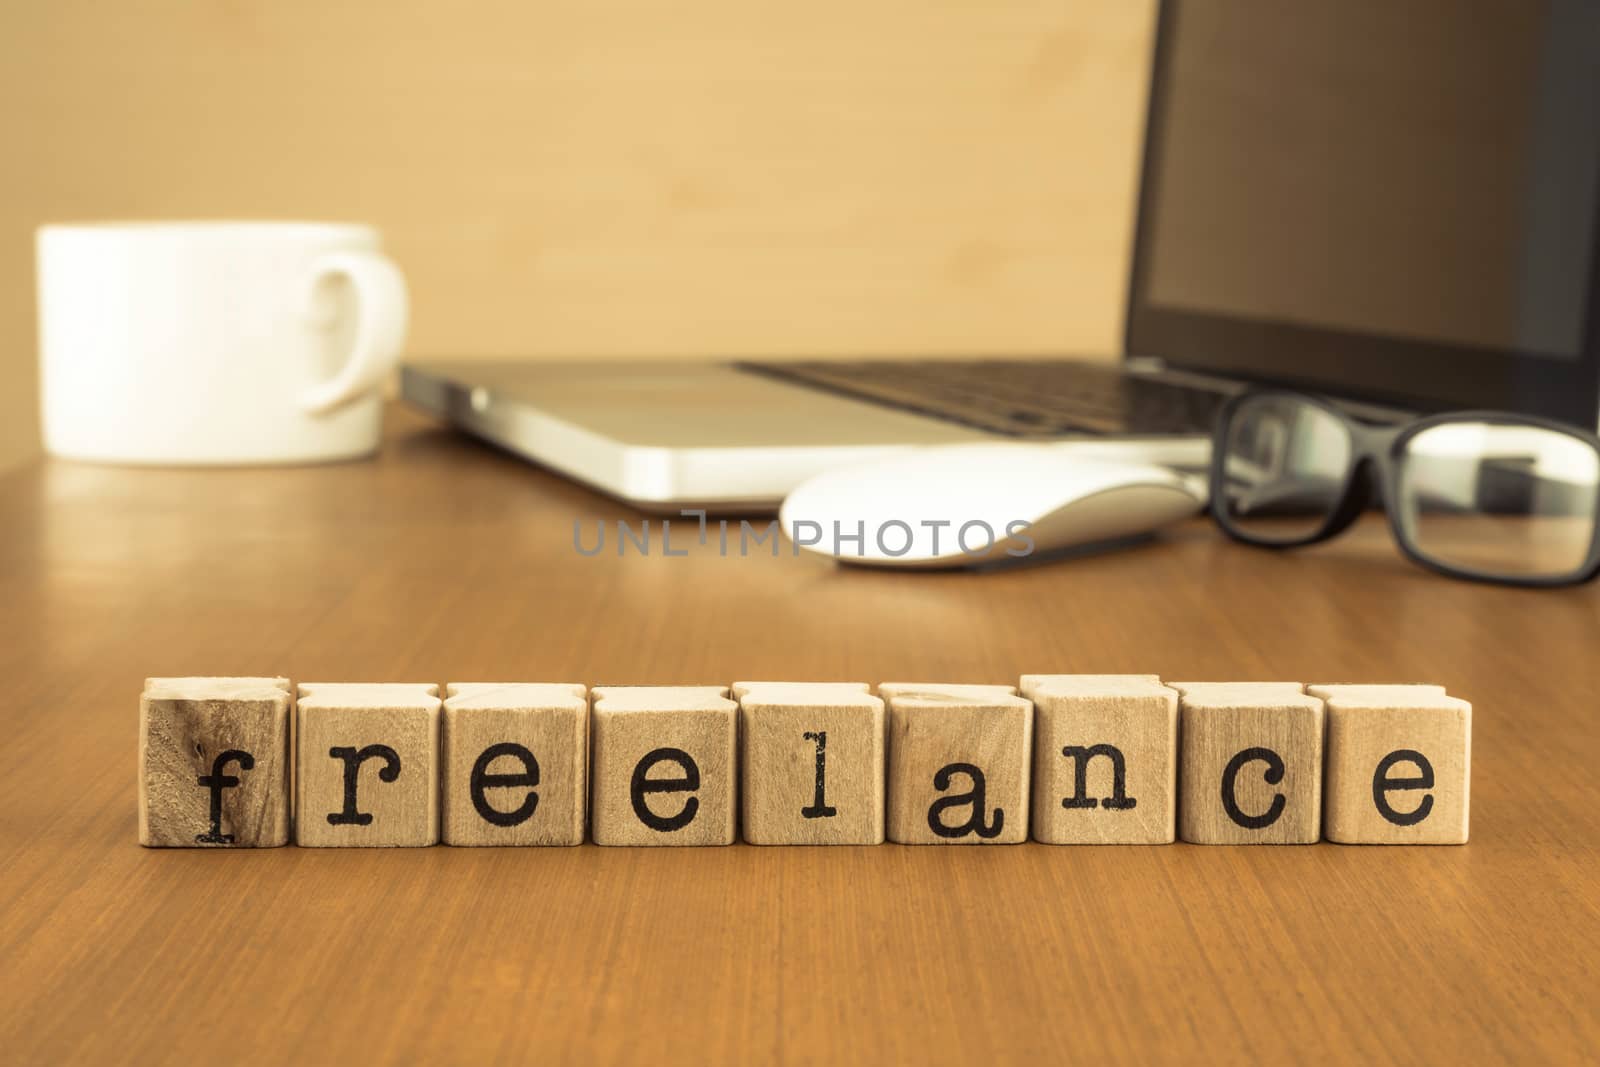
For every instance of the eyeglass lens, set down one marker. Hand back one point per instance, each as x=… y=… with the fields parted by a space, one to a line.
x=1505 y=500
x=1286 y=463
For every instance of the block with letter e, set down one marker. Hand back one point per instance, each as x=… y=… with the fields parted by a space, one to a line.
x=1399 y=765
x=1105 y=759
x=959 y=763
x=1250 y=763
x=515 y=759
x=214 y=762
x=368 y=765
x=663 y=765
x=813 y=763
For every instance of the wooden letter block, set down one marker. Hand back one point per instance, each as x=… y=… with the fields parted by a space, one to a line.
x=663 y=763
x=959 y=760
x=812 y=763
x=1250 y=768
x=1105 y=759
x=515 y=764
x=368 y=765
x=214 y=762
x=1399 y=765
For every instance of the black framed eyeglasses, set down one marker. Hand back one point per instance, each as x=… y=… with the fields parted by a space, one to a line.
x=1483 y=495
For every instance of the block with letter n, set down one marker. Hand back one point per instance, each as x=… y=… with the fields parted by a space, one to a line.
x=1105 y=759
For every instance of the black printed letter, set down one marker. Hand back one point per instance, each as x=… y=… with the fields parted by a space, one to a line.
x=974 y=825
x=216 y=781
x=688 y=783
x=1381 y=784
x=482 y=781
x=1273 y=775
x=352 y=767
x=1119 y=799
x=819 y=808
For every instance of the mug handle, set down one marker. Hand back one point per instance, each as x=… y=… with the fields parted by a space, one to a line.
x=382 y=311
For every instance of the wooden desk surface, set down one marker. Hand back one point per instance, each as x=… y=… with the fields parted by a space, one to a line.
x=444 y=560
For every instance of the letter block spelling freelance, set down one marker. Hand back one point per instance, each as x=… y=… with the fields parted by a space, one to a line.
x=1075 y=759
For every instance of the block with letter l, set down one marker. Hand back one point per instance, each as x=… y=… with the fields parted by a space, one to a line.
x=214 y=762
x=663 y=765
x=1399 y=765
x=368 y=765
x=1105 y=759
x=813 y=763
x=1250 y=763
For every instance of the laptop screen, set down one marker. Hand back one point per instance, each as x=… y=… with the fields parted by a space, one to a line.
x=1390 y=200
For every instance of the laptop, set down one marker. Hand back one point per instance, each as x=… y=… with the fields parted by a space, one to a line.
x=1335 y=196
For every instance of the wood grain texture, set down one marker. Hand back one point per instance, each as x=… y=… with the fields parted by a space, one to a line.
x=665 y=765
x=811 y=763
x=1383 y=734
x=1108 y=744
x=536 y=792
x=1250 y=763
x=215 y=763
x=367 y=769
x=1172 y=954
x=959 y=761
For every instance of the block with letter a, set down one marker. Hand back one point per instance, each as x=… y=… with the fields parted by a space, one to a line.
x=959 y=763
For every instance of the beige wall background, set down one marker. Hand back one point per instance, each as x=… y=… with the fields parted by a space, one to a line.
x=611 y=177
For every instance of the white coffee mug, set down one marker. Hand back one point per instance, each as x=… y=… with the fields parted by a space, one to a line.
x=215 y=342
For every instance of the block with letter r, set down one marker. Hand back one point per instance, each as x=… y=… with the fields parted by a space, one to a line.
x=368 y=765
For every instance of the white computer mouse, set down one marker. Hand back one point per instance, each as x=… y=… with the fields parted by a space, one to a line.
x=962 y=505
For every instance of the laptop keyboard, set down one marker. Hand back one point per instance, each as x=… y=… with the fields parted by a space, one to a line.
x=1032 y=398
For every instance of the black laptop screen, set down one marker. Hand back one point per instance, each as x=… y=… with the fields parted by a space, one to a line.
x=1396 y=200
